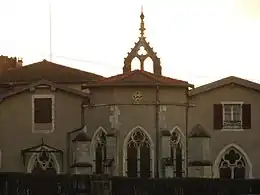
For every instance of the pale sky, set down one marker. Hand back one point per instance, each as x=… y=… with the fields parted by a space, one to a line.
x=197 y=40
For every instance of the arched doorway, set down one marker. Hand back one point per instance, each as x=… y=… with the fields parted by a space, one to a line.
x=138 y=154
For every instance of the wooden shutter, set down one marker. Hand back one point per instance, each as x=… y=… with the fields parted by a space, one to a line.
x=217 y=116
x=43 y=110
x=246 y=116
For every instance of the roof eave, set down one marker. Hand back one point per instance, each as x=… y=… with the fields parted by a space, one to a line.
x=195 y=91
x=223 y=82
x=44 y=82
x=139 y=85
x=15 y=83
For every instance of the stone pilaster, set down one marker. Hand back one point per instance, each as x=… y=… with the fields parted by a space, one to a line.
x=162 y=117
x=114 y=117
x=115 y=125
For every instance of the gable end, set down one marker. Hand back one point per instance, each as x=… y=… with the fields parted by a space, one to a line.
x=44 y=84
x=224 y=82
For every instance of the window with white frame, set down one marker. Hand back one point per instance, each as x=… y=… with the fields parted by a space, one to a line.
x=232 y=115
x=43 y=113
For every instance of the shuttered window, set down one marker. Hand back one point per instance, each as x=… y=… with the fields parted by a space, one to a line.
x=232 y=116
x=43 y=110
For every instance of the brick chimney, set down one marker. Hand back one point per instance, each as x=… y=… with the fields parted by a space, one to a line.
x=8 y=63
x=19 y=63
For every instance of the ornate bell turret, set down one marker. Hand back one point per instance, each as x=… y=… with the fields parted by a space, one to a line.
x=147 y=52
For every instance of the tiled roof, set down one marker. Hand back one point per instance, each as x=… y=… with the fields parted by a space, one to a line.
x=139 y=78
x=48 y=71
x=223 y=82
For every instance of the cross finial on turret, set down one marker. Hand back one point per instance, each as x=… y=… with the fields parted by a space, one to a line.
x=142 y=28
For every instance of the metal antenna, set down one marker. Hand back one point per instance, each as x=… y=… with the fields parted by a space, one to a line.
x=50 y=31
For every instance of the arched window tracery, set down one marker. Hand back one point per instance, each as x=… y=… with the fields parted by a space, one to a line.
x=232 y=165
x=177 y=153
x=100 y=151
x=138 y=154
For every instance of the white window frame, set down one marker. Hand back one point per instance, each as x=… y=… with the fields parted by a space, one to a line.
x=223 y=115
x=39 y=96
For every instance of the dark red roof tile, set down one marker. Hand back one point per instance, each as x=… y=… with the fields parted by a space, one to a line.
x=48 y=71
x=139 y=77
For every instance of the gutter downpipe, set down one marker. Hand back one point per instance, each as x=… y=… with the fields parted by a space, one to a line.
x=187 y=131
x=157 y=132
x=74 y=131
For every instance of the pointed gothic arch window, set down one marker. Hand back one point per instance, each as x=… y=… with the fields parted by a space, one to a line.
x=138 y=154
x=177 y=152
x=100 y=150
x=232 y=165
